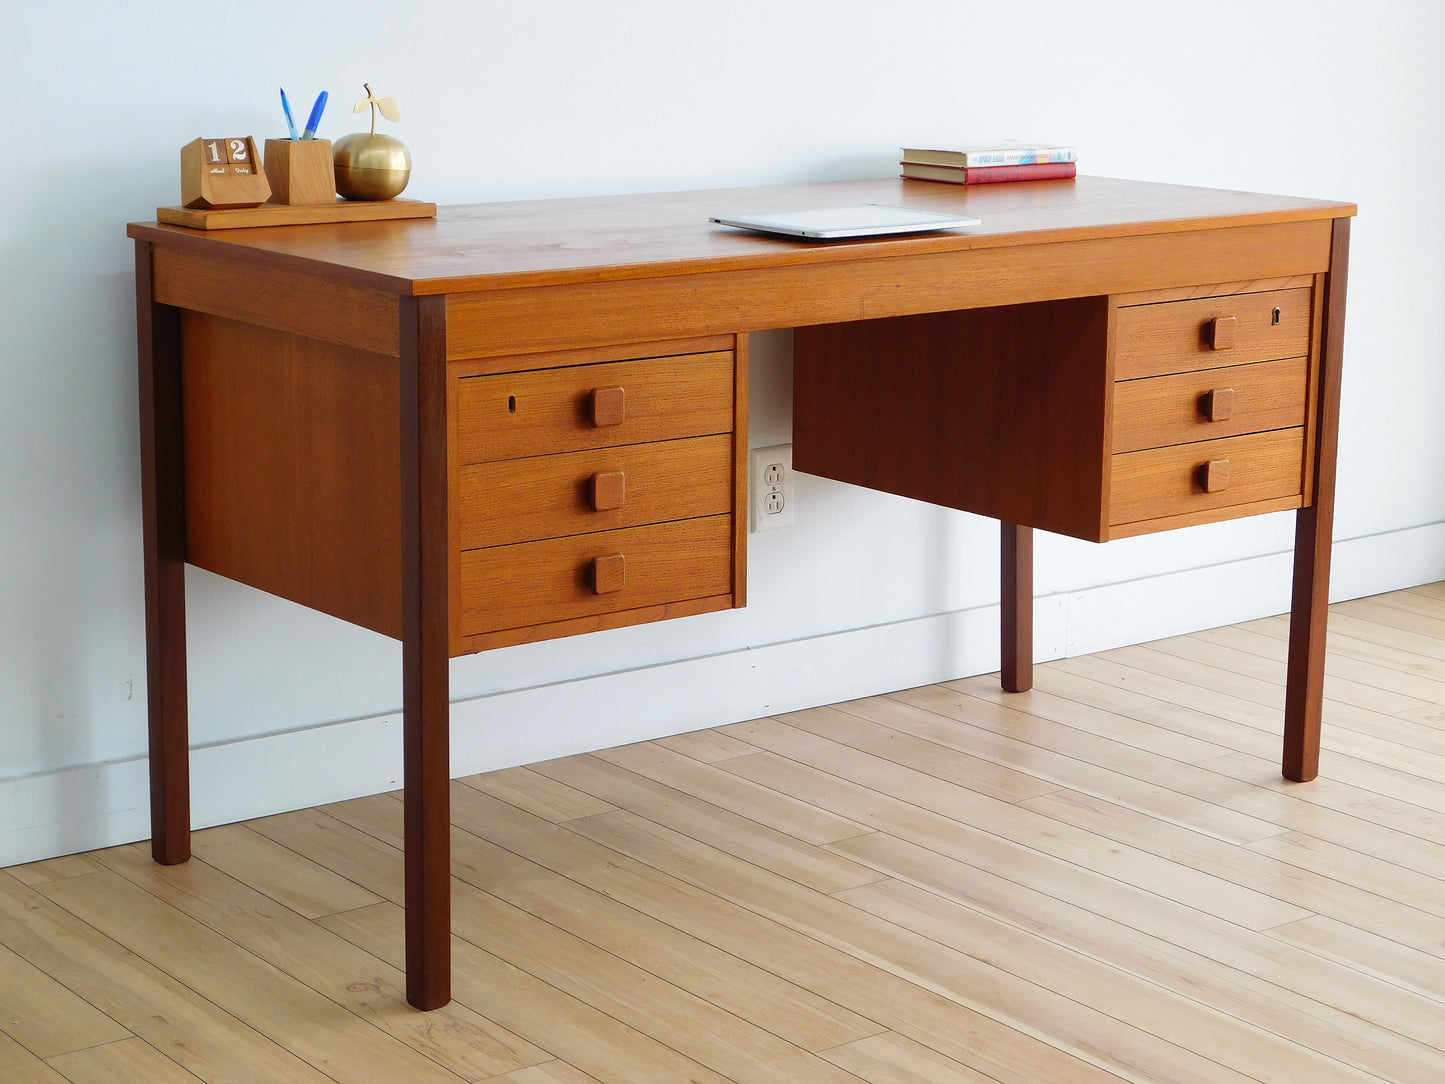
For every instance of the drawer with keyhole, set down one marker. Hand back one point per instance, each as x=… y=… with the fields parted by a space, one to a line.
x=541 y=411
x=1209 y=332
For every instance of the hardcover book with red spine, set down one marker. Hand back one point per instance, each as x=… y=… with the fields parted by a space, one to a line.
x=1038 y=171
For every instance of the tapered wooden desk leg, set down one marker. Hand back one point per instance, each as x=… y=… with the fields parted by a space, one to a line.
x=426 y=703
x=1016 y=596
x=1314 y=526
x=1305 y=678
x=163 y=518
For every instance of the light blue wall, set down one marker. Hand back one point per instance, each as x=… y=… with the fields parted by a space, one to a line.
x=563 y=97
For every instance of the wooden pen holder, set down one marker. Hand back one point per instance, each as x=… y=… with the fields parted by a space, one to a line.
x=300 y=171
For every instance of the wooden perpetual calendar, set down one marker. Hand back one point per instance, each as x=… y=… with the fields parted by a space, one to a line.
x=223 y=172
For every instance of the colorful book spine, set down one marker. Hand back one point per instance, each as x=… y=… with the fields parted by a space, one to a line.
x=1004 y=155
x=1024 y=156
x=1039 y=171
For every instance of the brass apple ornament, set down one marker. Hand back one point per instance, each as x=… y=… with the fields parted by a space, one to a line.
x=371 y=166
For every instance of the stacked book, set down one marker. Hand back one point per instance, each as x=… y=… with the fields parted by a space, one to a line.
x=999 y=160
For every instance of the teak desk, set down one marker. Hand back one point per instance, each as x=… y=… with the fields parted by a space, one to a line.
x=525 y=420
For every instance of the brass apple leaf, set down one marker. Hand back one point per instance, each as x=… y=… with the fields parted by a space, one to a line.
x=386 y=105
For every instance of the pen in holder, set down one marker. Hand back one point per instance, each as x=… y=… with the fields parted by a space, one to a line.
x=300 y=171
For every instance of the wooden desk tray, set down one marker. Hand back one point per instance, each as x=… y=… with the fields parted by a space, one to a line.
x=276 y=214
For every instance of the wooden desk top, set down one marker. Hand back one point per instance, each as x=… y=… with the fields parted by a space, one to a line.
x=596 y=239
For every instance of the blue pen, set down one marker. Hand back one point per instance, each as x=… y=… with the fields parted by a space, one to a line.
x=315 y=118
x=287 y=107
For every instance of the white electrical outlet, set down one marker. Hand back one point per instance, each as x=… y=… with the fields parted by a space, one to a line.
x=770 y=487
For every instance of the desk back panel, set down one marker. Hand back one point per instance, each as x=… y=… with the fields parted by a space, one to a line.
x=1000 y=411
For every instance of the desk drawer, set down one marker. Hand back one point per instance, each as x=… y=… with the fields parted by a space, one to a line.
x=1187 y=478
x=595 y=490
x=1209 y=332
x=560 y=579
x=515 y=415
x=1211 y=403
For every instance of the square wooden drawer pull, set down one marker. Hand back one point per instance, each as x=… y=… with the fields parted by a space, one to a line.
x=1214 y=476
x=609 y=406
x=1218 y=405
x=609 y=490
x=609 y=573
x=1220 y=332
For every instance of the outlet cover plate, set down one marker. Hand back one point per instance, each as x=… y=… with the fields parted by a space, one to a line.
x=770 y=487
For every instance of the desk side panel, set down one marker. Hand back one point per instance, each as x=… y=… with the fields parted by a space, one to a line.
x=494 y=322
x=999 y=411
x=293 y=468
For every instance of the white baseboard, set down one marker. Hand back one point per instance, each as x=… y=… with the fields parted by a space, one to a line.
x=107 y=804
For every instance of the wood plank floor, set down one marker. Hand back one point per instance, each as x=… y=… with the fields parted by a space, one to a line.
x=1103 y=879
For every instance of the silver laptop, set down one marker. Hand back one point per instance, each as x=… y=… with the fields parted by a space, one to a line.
x=861 y=220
